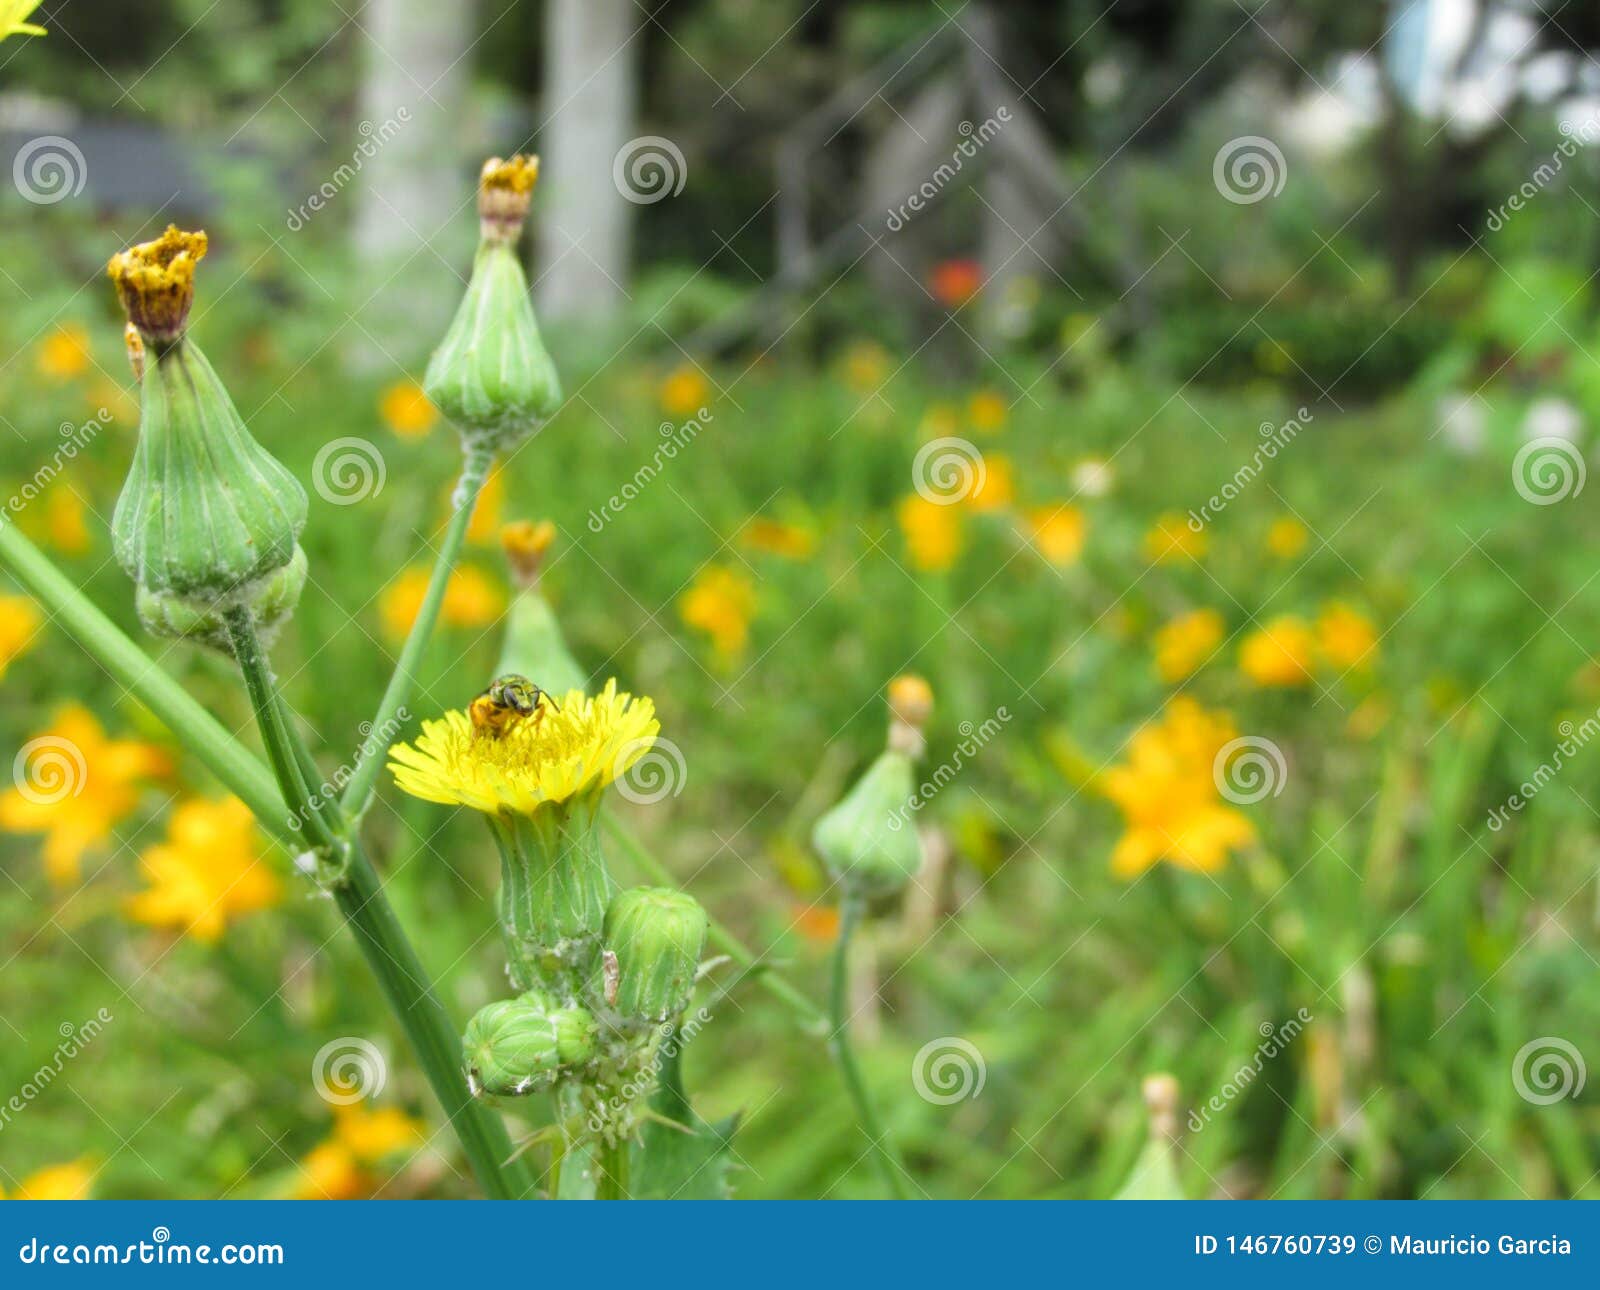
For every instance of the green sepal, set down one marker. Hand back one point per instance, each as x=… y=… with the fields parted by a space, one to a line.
x=868 y=841
x=206 y=511
x=272 y=599
x=657 y=935
x=491 y=374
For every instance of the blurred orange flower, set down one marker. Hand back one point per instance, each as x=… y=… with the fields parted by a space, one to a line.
x=1345 y=637
x=791 y=541
x=406 y=409
x=994 y=486
x=470 y=600
x=70 y=1181
x=720 y=603
x=206 y=872
x=64 y=353
x=19 y=626
x=1058 y=531
x=987 y=411
x=954 y=282
x=684 y=391
x=1186 y=642
x=1279 y=653
x=1287 y=538
x=932 y=532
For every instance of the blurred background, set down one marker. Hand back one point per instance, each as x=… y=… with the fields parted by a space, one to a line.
x=1198 y=394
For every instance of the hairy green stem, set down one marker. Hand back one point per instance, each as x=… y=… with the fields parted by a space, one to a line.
x=612 y=1182
x=358 y=792
x=810 y=1015
x=883 y=1152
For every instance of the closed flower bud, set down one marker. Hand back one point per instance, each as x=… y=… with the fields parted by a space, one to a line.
x=272 y=600
x=657 y=935
x=491 y=375
x=534 y=645
x=206 y=512
x=867 y=840
x=513 y=1046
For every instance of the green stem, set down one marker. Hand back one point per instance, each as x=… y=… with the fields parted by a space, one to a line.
x=196 y=729
x=358 y=792
x=883 y=1152
x=612 y=1183
x=810 y=1015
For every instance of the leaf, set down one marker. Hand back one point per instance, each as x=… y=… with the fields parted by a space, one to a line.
x=680 y=1156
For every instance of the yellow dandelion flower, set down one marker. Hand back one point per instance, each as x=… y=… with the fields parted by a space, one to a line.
x=64 y=353
x=1058 y=531
x=791 y=541
x=70 y=1181
x=471 y=599
x=329 y=1171
x=1186 y=642
x=574 y=749
x=932 y=532
x=75 y=785
x=995 y=486
x=1345 y=637
x=406 y=410
x=19 y=627
x=1167 y=793
x=1279 y=653
x=1172 y=538
x=721 y=604
x=987 y=411
x=684 y=392
x=371 y=1135
x=1287 y=537
x=206 y=872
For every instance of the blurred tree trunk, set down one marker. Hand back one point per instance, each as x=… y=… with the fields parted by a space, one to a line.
x=591 y=96
x=414 y=182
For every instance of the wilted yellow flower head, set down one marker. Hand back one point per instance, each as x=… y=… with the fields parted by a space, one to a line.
x=525 y=544
x=505 y=188
x=155 y=282
x=1279 y=653
x=570 y=750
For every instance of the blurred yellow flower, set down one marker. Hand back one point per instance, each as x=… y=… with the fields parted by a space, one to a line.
x=329 y=1171
x=70 y=1181
x=74 y=785
x=371 y=1135
x=206 y=872
x=791 y=541
x=1279 y=653
x=64 y=519
x=987 y=411
x=577 y=747
x=1287 y=537
x=866 y=365
x=484 y=526
x=406 y=409
x=1171 y=538
x=995 y=486
x=470 y=600
x=938 y=422
x=1167 y=792
x=1345 y=637
x=684 y=391
x=721 y=603
x=1058 y=531
x=19 y=625
x=64 y=353
x=932 y=532
x=1186 y=642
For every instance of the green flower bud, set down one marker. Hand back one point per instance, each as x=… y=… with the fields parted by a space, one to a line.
x=657 y=935
x=534 y=645
x=206 y=512
x=513 y=1046
x=491 y=375
x=867 y=840
x=272 y=599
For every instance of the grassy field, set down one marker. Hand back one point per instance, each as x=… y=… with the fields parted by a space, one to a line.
x=1401 y=634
